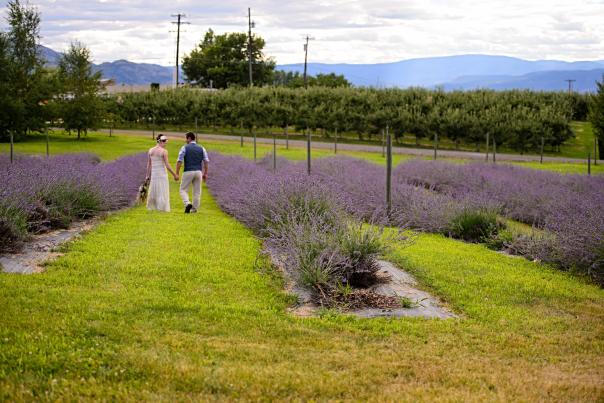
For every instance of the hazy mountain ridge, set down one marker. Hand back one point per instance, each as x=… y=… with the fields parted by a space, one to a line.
x=122 y=71
x=437 y=71
x=538 y=81
x=449 y=72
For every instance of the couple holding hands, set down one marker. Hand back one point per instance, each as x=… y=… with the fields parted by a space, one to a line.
x=195 y=160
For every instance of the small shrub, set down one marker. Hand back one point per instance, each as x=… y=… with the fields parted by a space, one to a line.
x=474 y=225
x=361 y=245
x=13 y=227
x=407 y=303
x=500 y=240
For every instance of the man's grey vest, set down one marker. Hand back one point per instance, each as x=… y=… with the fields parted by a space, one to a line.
x=194 y=156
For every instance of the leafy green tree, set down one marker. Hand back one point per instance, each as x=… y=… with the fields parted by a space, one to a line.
x=596 y=116
x=222 y=60
x=293 y=79
x=22 y=79
x=81 y=106
x=6 y=104
x=330 y=80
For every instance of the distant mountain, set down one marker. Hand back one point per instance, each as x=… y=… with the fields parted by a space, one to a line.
x=538 y=81
x=52 y=58
x=125 y=72
x=450 y=72
x=122 y=71
x=433 y=71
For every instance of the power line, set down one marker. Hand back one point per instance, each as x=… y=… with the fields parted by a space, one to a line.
x=250 y=24
x=178 y=23
x=308 y=38
x=570 y=85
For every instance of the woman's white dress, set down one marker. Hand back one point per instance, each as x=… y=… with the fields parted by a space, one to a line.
x=158 y=197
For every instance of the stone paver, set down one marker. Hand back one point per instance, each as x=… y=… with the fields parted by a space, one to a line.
x=41 y=248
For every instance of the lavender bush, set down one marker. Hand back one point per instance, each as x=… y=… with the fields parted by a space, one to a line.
x=38 y=194
x=301 y=221
x=455 y=199
x=568 y=208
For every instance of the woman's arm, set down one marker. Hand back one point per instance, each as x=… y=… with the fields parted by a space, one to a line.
x=168 y=167
x=148 y=167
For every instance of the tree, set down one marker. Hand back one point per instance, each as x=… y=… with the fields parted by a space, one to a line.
x=331 y=80
x=222 y=60
x=81 y=106
x=6 y=104
x=596 y=115
x=22 y=79
x=293 y=79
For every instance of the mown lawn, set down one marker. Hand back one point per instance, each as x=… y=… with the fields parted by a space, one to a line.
x=577 y=147
x=153 y=306
x=171 y=307
x=112 y=147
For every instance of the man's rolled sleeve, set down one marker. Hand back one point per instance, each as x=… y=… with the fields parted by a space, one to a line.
x=206 y=158
x=181 y=154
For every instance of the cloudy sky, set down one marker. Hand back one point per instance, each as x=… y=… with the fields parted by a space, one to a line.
x=349 y=31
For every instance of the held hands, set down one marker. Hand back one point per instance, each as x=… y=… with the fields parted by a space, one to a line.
x=176 y=178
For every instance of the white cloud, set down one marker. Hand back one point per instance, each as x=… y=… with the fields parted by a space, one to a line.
x=356 y=31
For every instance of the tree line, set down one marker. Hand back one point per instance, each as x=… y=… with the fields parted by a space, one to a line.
x=31 y=93
x=517 y=119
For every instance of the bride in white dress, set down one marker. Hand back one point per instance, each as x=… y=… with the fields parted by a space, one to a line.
x=158 y=197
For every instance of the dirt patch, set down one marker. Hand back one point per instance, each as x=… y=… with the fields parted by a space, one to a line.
x=395 y=284
x=42 y=248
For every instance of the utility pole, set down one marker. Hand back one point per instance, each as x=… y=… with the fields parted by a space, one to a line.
x=251 y=24
x=570 y=85
x=388 y=173
x=308 y=38
x=178 y=23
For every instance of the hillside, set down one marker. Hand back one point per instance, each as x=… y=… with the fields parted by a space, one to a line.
x=450 y=72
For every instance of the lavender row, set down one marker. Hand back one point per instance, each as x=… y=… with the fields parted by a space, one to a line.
x=302 y=223
x=432 y=196
x=38 y=194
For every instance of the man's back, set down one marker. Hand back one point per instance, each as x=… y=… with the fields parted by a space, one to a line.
x=194 y=157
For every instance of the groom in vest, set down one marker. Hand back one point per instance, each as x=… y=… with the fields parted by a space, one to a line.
x=195 y=159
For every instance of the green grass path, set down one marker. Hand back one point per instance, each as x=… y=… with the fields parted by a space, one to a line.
x=112 y=147
x=153 y=306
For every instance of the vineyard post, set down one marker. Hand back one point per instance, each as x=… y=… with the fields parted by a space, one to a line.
x=388 y=172
x=494 y=150
x=487 y=157
x=308 y=150
x=12 y=145
x=47 y=142
x=383 y=145
x=589 y=163
x=596 y=151
x=274 y=152
x=335 y=141
x=254 y=146
x=286 y=137
x=435 y=145
x=542 y=143
x=153 y=132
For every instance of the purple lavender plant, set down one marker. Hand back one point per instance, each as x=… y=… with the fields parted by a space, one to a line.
x=38 y=194
x=431 y=196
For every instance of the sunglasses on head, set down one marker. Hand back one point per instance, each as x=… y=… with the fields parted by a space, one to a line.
x=164 y=140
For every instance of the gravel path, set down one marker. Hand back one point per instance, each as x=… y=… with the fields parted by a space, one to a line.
x=420 y=152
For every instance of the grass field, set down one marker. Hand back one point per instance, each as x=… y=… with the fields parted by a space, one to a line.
x=110 y=147
x=153 y=306
x=577 y=147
